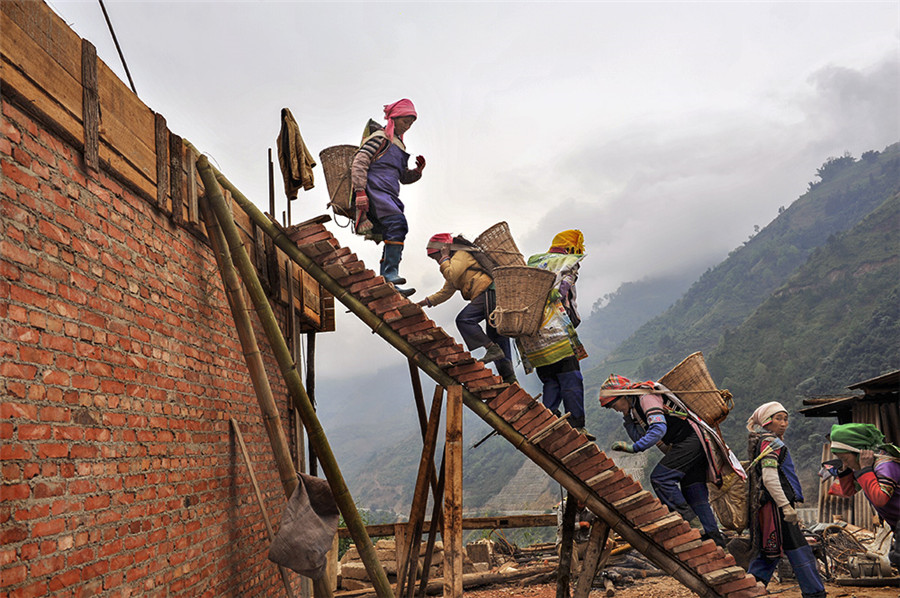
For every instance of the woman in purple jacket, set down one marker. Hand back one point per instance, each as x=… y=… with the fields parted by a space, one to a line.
x=377 y=171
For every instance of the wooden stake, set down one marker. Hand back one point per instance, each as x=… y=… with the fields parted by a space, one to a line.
x=293 y=382
x=453 y=560
x=565 y=547
x=259 y=500
x=592 y=558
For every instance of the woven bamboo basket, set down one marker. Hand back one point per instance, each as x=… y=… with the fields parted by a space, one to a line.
x=521 y=296
x=335 y=162
x=497 y=243
x=691 y=382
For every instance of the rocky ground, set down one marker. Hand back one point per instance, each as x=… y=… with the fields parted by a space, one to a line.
x=666 y=587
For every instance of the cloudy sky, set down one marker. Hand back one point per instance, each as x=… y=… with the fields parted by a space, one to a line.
x=664 y=130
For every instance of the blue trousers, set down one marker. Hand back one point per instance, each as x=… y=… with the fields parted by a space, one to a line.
x=802 y=559
x=468 y=322
x=563 y=383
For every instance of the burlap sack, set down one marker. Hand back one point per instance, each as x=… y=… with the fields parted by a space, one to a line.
x=307 y=530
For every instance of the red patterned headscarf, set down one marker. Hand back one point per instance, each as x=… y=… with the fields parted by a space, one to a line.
x=402 y=107
x=615 y=382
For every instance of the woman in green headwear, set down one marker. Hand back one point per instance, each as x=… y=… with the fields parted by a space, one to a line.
x=870 y=463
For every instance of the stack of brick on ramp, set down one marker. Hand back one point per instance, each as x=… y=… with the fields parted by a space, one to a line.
x=568 y=456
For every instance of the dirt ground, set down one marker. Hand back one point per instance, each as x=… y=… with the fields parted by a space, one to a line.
x=666 y=587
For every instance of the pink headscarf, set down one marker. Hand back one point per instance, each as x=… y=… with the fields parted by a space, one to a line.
x=402 y=107
x=764 y=414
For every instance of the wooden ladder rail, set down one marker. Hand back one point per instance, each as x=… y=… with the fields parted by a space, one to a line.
x=549 y=463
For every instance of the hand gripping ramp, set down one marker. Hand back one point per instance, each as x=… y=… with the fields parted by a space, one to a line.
x=565 y=454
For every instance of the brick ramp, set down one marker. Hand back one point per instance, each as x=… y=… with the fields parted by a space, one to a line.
x=578 y=464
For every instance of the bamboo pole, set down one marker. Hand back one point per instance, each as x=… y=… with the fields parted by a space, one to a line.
x=252 y=355
x=262 y=505
x=271 y=420
x=641 y=542
x=292 y=379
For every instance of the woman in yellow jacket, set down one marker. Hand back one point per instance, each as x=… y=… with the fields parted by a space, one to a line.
x=462 y=273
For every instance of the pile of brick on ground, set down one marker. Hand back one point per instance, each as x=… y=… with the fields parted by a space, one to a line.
x=352 y=573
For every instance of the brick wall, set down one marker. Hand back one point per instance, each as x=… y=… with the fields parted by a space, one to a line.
x=119 y=369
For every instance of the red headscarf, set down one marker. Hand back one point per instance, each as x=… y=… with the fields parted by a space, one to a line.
x=437 y=241
x=402 y=107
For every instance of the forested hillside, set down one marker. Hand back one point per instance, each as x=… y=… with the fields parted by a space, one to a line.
x=835 y=322
x=846 y=191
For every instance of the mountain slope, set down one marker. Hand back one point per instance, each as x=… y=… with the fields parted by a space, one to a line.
x=727 y=294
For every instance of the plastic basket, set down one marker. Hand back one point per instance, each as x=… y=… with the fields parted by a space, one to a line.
x=335 y=162
x=521 y=296
x=690 y=381
x=497 y=243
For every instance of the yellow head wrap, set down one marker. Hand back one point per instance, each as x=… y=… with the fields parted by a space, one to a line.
x=570 y=240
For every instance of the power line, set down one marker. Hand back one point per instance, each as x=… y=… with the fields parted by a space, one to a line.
x=118 y=49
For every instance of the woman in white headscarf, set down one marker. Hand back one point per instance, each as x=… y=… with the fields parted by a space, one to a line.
x=774 y=490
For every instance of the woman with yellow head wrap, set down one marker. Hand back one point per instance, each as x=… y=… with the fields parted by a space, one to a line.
x=555 y=350
x=568 y=241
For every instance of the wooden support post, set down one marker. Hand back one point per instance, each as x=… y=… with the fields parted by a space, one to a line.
x=176 y=177
x=436 y=522
x=423 y=419
x=453 y=560
x=293 y=382
x=564 y=571
x=161 y=135
x=259 y=500
x=592 y=557
x=410 y=561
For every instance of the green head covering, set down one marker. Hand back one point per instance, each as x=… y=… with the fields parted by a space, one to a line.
x=853 y=438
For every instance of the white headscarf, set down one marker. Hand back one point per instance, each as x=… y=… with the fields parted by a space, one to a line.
x=763 y=415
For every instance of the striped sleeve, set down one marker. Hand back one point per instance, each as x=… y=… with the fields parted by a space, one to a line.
x=359 y=168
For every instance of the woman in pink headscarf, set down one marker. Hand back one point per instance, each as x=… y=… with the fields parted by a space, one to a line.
x=378 y=169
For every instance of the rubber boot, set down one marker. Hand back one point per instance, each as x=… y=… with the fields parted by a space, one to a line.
x=390 y=263
x=494 y=353
x=506 y=370
x=803 y=562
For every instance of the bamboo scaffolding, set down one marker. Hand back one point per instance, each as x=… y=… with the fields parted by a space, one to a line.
x=292 y=379
x=252 y=355
x=640 y=541
x=247 y=337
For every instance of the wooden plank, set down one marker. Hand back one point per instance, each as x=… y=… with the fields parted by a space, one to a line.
x=453 y=547
x=548 y=429
x=499 y=522
x=162 y=160
x=90 y=106
x=21 y=55
x=127 y=126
